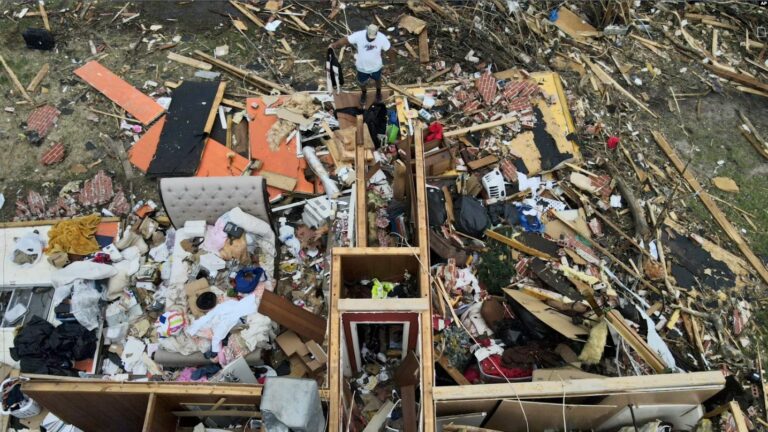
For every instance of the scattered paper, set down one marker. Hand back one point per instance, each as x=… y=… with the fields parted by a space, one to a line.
x=272 y=26
x=616 y=201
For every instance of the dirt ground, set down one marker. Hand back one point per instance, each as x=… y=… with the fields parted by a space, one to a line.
x=705 y=130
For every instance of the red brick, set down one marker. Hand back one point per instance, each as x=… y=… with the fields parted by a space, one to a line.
x=62 y=207
x=22 y=210
x=486 y=86
x=508 y=170
x=36 y=204
x=119 y=205
x=42 y=120
x=97 y=190
x=471 y=106
x=53 y=155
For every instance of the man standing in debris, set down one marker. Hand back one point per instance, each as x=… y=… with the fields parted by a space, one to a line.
x=369 y=44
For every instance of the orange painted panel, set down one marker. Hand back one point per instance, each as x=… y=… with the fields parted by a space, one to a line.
x=136 y=103
x=215 y=163
x=284 y=160
x=143 y=151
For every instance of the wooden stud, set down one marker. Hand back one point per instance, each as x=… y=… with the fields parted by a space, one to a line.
x=215 y=107
x=709 y=203
x=15 y=80
x=44 y=14
x=248 y=14
x=479 y=127
x=374 y=305
x=189 y=61
x=39 y=77
x=423 y=47
x=334 y=344
x=361 y=215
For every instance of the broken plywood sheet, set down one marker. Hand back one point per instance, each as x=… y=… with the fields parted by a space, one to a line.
x=282 y=311
x=412 y=24
x=555 y=228
x=572 y=25
x=136 y=103
x=283 y=161
x=182 y=140
x=213 y=163
x=553 y=319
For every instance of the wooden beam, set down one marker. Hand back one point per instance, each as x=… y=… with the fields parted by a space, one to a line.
x=411 y=98
x=452 y=371
x=242 y=73
x=707 y=383
x=516 y=245
x=217 y=413
x=738 y=416
x=44 y=14
x=189 y=61
x=248 y=14
x=479 y=127
x=738 y=77
x=214 y=113
x=709 y=203
x=607 y=79
x=39 y=77
x=375 y=305
x=634 y=340
x=424 y=47
x=15 y=80
x=361 y=212
x=334 y=344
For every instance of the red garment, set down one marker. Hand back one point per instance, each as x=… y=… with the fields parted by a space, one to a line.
x=613 y=142
x=492 y=366
x=435 y=131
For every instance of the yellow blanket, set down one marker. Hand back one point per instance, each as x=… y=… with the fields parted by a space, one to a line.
x=76 y=236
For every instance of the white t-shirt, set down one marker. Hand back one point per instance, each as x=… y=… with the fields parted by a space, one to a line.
x=368 y=52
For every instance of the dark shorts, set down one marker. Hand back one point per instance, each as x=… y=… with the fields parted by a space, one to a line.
x=363 y=77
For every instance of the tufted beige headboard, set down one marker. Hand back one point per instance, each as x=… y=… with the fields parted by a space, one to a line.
x=207 y=198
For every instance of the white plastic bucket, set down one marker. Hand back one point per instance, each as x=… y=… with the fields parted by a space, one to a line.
x=29 y=408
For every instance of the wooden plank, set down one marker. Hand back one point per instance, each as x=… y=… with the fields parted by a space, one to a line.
x=279 y=181
x=375 y=251
x=300 y=23
x=607 y=79
x=479 y=127
x=738 y=416
x=482 y=162
x=213 y=114
x=334 y=344
x=44 y=14
x=572 y=25
x=411 y=99
x=189 y=61
x=703 y=384
x=424 y=47
x=709 y=203
x=233 y=103
x=15 y=80
x=217 y=413
x=738 y=77
x=635 y=341
x=452 y=371
x=361 y=214
x=517 y=245
x=136 y=103
x=242 y=73
x=374 y=305
x=39 y=77
x=248 y=14
x=292 y=317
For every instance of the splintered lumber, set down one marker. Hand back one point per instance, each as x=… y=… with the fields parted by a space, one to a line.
x=738 y=77
x=437 y=8
x=638 y=215
x=15 y=80
x=709 y=203
x=635 y=341
x=242 y=73
x=607 y=79
x=479 y=127
x=44 y=14
x=411 y=98
x=424 y=47
x=39 y=77
x=516 y=245
x=248 y=14
x=215 y=107
x=738 y=416
x=189 y=61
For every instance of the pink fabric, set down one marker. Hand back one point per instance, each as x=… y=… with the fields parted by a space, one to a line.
x=215 y=237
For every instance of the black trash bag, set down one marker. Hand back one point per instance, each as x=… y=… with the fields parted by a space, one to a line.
x=532 y=327
x=504 y=213
x=471 y=217
x=436 y=206
x=40 y=39
x=376 y=118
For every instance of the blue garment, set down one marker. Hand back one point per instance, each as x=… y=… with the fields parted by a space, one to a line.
x=363 y=77
x=247 y=279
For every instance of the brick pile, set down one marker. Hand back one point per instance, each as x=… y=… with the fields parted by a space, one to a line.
x=97 y=190
x=53 y=155
x=42 y=120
